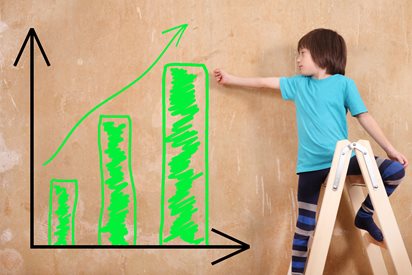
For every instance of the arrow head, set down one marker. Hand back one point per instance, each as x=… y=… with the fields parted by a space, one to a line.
x=243 y=246
x=179 y=33
x=32 y=35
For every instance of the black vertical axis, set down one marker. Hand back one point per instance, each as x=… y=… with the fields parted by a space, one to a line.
x=31 y=142
x=31 y=35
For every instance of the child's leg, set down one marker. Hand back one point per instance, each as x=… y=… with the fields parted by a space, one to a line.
x=392 y=173
x=308 y=194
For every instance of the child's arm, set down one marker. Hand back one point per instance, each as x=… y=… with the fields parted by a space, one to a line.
x=369 y=124
x=223 y=77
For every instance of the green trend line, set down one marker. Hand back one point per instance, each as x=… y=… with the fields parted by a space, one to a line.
x=64 y=213
x=120 y=191
x=179 y=34
x=183 y=107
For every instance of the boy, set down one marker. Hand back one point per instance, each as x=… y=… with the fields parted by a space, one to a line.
x=322 y=96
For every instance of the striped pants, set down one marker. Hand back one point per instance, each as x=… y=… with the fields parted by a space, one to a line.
x=309 y=185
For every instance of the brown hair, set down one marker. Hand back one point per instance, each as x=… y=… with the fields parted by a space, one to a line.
x=327 y=48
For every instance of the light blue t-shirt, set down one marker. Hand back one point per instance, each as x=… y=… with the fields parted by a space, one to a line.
x=321 y=108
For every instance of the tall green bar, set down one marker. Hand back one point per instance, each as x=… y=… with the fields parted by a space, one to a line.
x=184 y=196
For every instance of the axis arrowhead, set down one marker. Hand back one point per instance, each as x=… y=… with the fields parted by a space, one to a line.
x=31 y=34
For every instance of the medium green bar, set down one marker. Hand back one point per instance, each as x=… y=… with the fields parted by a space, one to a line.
x=118 y=211
x=62 y=211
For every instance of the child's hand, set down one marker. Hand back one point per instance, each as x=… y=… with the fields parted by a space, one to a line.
x=395 y=155
x=221 y=76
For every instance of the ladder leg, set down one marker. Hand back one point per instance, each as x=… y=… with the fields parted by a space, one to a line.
x=327 y=215
x=355 y=196
x=383 y=210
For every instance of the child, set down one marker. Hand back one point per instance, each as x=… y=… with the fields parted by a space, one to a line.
x=322 y=97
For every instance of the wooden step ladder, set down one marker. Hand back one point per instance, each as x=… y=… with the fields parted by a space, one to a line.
x=332 y=196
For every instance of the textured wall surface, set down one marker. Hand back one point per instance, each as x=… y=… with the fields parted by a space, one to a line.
x=98 y=47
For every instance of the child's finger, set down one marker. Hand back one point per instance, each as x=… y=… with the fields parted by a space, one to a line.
x=405 y=162
x=402 y=160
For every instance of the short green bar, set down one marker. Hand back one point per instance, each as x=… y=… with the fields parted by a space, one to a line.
x=62 y=211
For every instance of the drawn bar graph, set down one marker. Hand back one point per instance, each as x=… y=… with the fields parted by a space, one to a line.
x=184 y=198
x=62 y=210
x=118 y=211
x=184 y=183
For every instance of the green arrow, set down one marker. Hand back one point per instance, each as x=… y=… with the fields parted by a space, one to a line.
x=181 y=29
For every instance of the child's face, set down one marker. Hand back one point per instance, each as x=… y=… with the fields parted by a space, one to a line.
x=305 y=63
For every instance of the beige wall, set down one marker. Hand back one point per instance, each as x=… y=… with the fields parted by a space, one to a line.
x=97 y=47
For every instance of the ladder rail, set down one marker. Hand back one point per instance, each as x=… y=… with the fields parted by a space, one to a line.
x=383 y=210
x=327 y=215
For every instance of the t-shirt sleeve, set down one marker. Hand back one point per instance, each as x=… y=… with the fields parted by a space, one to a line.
x=353 y=100
x=289 y=87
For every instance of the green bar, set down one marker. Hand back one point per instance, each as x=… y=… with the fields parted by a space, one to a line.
x=62 y=210
x=184 y=198
x=118 y=211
